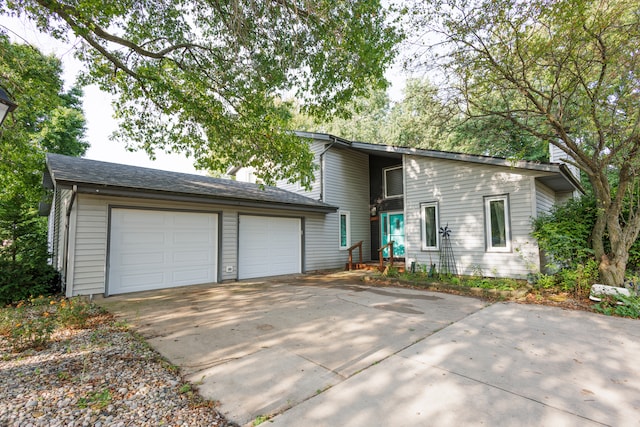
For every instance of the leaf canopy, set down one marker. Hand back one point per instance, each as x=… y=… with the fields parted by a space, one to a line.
x=204 y=77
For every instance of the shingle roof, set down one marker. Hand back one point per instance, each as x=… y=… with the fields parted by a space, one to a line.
x=96 y=176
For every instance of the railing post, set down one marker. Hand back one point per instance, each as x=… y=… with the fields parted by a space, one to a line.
x=391 y=253
x=359 y=246
x=350 y=259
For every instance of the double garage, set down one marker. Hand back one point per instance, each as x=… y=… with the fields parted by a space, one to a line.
x=155 y=249
x=116 y=228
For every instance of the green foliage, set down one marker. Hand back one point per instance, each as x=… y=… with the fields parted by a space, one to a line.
x=47 y=120
x=205 y=78
x=579 y=279
x=545 y=281
x=32 y=321
x=26 y=327
x=73 y=313
x=562 y=72
x=96 y=400
x=563 y=234
x=619 y=305
x=23 y=280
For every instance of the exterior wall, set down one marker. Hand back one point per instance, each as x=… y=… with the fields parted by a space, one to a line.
x=346 y=185
x=460 y=188
x=316 y=147
x=57 y=220
x=89 y=244
x=345 y=174
x=545 y=198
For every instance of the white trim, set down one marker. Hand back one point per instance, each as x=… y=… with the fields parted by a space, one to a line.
x=423 y=234
x=347 y=215
x=384 y=182
x=487 y=223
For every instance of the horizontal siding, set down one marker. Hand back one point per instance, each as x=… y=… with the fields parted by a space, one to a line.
x=316 y=147
x=545 y=198
x=229 y=239
x=460 y=188
x=90 y=245
x=58 y=232
x=346 y=186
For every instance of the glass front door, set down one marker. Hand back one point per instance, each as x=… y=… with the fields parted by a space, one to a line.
x=392 y=228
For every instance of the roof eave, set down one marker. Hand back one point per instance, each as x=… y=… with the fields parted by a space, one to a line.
x=105 y=190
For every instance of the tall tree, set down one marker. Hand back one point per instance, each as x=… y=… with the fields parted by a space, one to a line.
x=202 y=77
x=566 y=72
x=367 y=121
x=47 y=119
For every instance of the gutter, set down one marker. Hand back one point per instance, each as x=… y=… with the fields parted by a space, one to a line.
x=74 y=192
x=321 y=156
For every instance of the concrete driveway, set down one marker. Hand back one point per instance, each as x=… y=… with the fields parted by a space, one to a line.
x=328 y=350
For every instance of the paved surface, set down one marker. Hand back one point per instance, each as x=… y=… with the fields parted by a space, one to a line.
x=328 y=351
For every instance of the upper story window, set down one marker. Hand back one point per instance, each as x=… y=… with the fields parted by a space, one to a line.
x=497 y=223
x=393 y=182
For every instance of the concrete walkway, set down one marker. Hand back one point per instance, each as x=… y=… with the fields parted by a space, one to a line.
x=327 y=351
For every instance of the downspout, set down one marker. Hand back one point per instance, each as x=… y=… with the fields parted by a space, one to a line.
x=321 y=156
x=74 y=192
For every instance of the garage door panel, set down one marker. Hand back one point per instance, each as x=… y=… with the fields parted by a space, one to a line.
x=161 y=249
x=137 y=259
x=269 y=246
x=192 y=238
x=191 y=258
x=190 y=276
x=140 y=281
x=142 y=238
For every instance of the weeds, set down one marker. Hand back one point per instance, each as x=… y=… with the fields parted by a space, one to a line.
x=97 y=400
x=619 y=305
x=31 y=323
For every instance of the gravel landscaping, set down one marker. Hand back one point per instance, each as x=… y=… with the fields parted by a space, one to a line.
x=102 y=375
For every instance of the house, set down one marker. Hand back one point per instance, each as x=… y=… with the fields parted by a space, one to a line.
x=406 y=195
x=115 y=228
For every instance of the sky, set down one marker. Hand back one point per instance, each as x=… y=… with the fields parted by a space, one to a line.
x=97 y=104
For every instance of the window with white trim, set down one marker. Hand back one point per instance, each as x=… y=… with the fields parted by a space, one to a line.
x=393 y=182
x=497 y=223
x=429 y=222
x=344 y=224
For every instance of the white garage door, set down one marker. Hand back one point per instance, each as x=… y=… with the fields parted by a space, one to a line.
x=269 y=246
x=161 y=249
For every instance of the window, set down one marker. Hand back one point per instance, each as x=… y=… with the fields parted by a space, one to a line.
x=393 y=185
x=345 y=229
x=429 y=220
x=497 y=229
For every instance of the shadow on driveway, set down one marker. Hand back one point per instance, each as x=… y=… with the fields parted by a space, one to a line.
x=327 y=350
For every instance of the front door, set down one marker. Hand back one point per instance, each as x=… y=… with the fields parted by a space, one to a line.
x=392 y=228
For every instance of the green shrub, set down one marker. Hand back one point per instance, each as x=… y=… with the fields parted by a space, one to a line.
x=564 y=233
x=579 y=279
x=545 y=281
x=629 y=306
x=22 y=280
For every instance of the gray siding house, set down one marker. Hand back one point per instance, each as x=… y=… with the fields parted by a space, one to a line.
x=406 y=195
x=116 y=229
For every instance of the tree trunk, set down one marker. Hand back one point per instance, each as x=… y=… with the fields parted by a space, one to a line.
x=613 y=264
x=612 y=271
